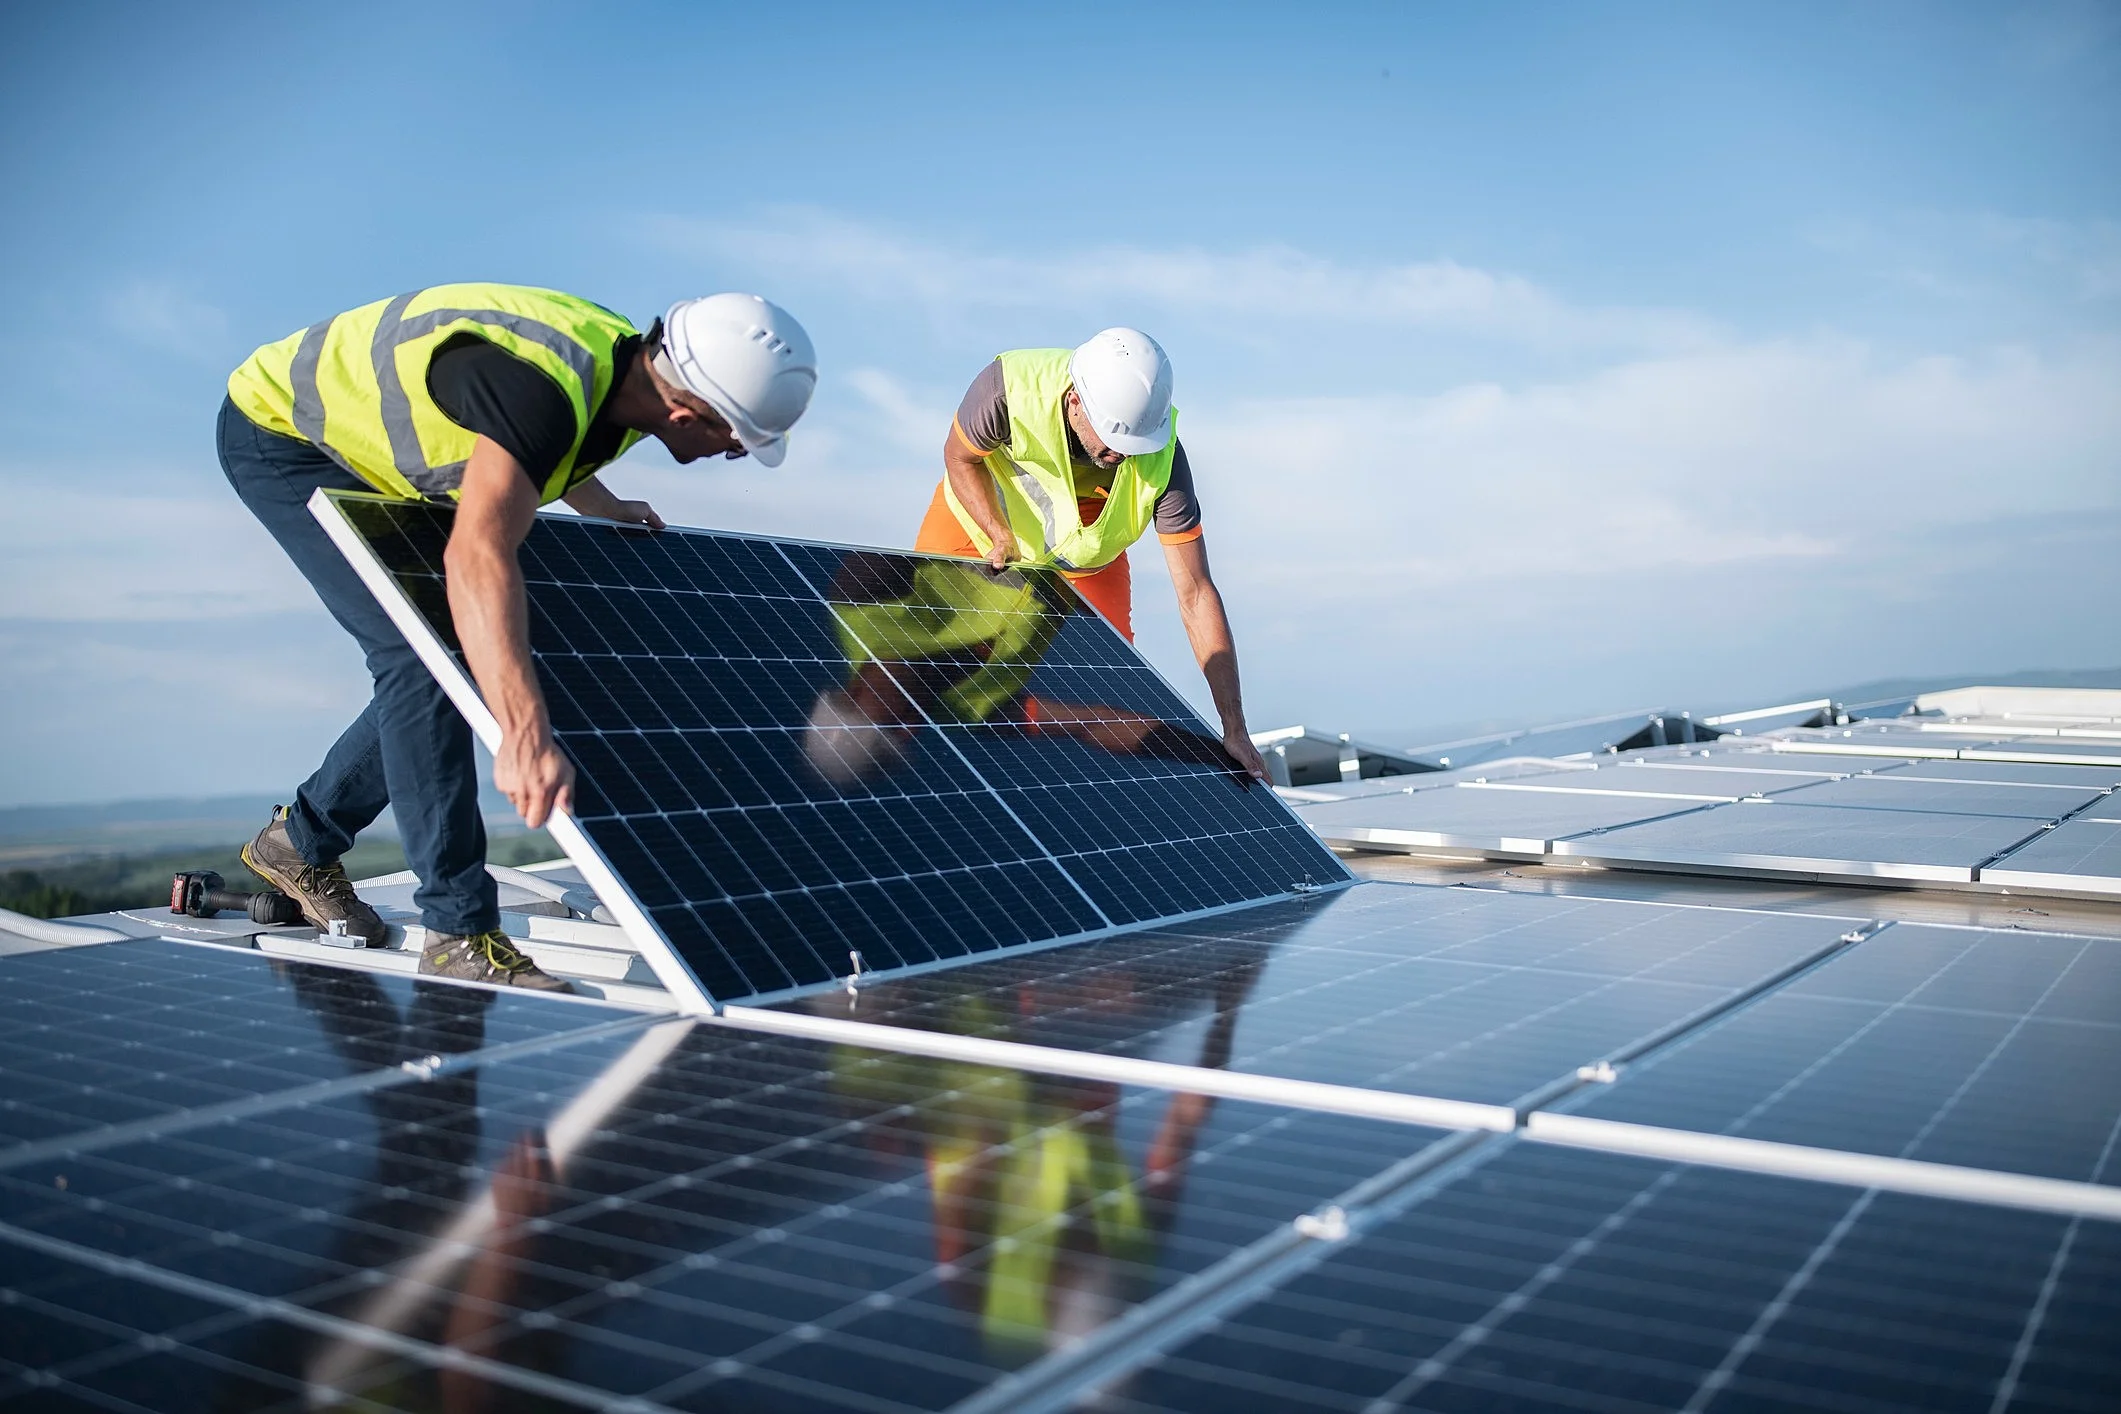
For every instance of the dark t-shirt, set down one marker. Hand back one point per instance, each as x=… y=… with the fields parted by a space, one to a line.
x=485 y=389
x=983 y=420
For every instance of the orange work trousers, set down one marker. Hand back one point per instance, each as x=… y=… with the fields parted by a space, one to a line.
x=1109 y=589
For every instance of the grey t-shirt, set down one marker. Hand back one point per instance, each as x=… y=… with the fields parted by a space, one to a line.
x=983 y=420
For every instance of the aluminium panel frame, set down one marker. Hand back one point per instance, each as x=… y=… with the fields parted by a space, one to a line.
x=655 y=949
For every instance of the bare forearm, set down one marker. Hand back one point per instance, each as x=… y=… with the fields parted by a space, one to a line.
x=974 y=489
x=593 y=498
x=1215 y=651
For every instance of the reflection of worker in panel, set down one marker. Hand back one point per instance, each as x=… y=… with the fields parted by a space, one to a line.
x=426 y=1146
x=501 y=398
x=934 y=640
x=1065 y=458
x=1043 y=1226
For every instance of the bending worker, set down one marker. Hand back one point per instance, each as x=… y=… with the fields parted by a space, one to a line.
x=1065 y=458
x=501 y=398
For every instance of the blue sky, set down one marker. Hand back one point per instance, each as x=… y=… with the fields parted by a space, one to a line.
x=1534 y=360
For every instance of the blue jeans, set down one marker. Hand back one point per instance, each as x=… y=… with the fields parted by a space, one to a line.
x=409 y=749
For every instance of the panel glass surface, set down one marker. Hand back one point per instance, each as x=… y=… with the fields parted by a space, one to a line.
x=1458 y=993
x=1560 y=1280
x=2025 y=772
x=701 y=1218
x=935 y=763
x=1815 y=839
x=1475 y=817
x=2084 y=854
x=1992 y=1049
x=1757 y=758
x=117 y=1033
x=1698 y=780
x=1899 y=791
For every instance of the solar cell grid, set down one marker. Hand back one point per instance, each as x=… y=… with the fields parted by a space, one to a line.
x=1568 y=1281
x=781 y=794
x=1998 y=1050
x=744 y=1224
x=119 y=1033
x=1461 y=994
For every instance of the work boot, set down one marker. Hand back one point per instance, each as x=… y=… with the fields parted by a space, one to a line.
x=485 y=957
x=323 y=890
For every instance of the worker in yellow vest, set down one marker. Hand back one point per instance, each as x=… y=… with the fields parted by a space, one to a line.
x=501 y=399
x=1066 y=457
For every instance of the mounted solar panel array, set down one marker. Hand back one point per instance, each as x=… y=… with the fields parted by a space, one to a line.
x=1786 y=808
x=798 y=762
x=462 y=1195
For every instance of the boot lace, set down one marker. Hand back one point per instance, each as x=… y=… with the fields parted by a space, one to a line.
x=501 y=955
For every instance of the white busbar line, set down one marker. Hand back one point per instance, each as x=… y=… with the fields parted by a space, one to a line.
x=1127 y=1070
x=1881 y=1171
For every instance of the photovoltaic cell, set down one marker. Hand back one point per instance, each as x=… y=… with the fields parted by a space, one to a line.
x=692 y=1217
x=1457 y=993
x=1990 y=1049
x=119 y=1033
x=1560 y=1280
x=790 y=754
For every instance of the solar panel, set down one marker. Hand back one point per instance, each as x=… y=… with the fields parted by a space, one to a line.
x=1549 y=1280
x=1478 y=819
x=1896 y=791
x=1769 y=756
x=1790 y=838
x=691 y=1217
x=130 y=1033
x=2104 y=755
x=2081 y=856
x=1484 y=996
x=1984 y=1048
x=794 y=755
x=2024 y=772
x=1703 y=780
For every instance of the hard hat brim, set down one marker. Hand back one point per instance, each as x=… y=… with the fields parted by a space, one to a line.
x=1140 y=446
x=767 y=451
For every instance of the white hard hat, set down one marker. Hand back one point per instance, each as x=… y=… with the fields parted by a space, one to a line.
x=1124 y=380
x=750 y=361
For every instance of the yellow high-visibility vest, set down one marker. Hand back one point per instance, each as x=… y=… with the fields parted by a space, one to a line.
x=1033 y=473
x=355 y=386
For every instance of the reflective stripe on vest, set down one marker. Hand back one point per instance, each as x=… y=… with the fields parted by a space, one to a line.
x=1036 y=480
x=343 y=384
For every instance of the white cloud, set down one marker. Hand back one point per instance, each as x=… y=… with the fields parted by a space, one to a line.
x=1268 y=286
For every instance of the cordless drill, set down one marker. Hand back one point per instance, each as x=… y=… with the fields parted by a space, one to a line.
x=198 y=894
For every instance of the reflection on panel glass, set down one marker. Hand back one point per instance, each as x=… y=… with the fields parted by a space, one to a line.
x=1087 y=746
x=1465 y=994
x=125 y=1032
x=2014 y=1035
x=684 y=1213
x=935 y=763
x=1563 y=1280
